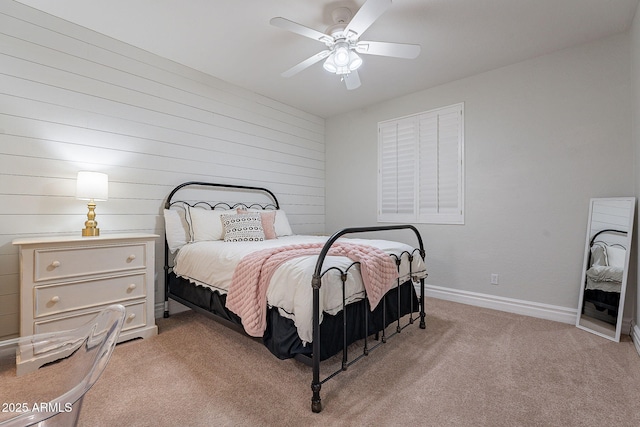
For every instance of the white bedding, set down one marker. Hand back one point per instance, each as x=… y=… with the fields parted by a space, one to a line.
x=604 y=278
x=603 y=286
x=212 y=263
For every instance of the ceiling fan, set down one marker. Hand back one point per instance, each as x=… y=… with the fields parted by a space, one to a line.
x=343 y=42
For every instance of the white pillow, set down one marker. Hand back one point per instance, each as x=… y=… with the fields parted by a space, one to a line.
x=281 y=224
x=598 y=256
x=616 y=256
x=176 y=229
x=206 y=224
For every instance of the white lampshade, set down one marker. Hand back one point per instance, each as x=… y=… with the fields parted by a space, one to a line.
x=92 y=186
x=341 y=54
x=329 y=65
x=354 y=61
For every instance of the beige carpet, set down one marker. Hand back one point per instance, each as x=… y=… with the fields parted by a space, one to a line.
x=470 y=367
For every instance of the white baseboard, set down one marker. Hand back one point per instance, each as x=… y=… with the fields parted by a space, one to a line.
x=510 y=305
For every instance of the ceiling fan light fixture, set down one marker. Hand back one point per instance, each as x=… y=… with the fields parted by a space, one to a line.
x=354 y=61
x=330 y=65
x=341 y=55
x=337 y=65
x=343 y=70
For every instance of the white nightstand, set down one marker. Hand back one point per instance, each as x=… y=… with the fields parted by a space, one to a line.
x=66 y=280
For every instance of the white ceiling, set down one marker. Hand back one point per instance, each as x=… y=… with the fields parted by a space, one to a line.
x=233 y=40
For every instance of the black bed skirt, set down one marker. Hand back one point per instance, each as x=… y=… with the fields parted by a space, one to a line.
x=281 y=336
x=602 y=300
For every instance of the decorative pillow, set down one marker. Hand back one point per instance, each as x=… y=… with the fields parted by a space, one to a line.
x=268 y=221
x=176 y=229
x=242 y=227
x=598 y=256
x=205 y=224
x=616 y=256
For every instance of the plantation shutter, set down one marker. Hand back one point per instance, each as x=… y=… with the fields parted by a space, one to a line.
x=397 y=177
x=440 y=165
x=421 y=173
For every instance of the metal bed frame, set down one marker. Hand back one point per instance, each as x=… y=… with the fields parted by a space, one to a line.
x=381 y=336
x=593 y=299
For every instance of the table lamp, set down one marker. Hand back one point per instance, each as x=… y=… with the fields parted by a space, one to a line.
x=92 y=186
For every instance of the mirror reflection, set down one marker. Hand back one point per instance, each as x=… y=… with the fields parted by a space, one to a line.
x=606 y=263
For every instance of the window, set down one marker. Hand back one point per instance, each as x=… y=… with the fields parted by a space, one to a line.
x=421 y=167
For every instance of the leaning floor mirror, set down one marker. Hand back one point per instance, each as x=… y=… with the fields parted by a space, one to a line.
x=606 y=264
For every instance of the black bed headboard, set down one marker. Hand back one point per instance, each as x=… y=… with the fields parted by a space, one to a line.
x=608 y=230
x=170 y=201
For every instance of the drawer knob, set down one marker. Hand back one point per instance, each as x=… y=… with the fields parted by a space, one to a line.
x=55 y=299
x=131 y=258
x=55 y=264
x=131 y=287
x=131 y=317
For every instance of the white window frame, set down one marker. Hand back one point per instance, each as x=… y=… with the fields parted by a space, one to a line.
x=421 y=167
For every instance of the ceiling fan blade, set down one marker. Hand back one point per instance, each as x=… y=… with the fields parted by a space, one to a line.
x=397 y=50
x=351 y=80
x=368 y=13
x=306 y=63
x=294 y=27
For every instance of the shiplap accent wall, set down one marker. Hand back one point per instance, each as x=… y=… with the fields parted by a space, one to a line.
x=72 y=99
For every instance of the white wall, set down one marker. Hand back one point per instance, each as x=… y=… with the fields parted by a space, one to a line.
x=635 y=78
x=72 y=99
x=541 y=138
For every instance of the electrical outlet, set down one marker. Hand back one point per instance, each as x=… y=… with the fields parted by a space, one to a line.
x=494 y=279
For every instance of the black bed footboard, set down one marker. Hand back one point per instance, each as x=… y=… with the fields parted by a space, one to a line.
x=316 y=384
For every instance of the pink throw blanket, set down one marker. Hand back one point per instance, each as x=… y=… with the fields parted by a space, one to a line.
x=247 y=296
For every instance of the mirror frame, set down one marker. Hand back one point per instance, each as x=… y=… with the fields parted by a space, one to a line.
x=625 y=274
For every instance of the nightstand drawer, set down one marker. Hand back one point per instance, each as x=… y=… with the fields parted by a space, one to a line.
x=135 y=315
x=53 y=299
x=64 y=263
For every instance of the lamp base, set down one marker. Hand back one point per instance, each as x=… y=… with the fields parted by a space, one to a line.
x=90 y=228
x=88 y=232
